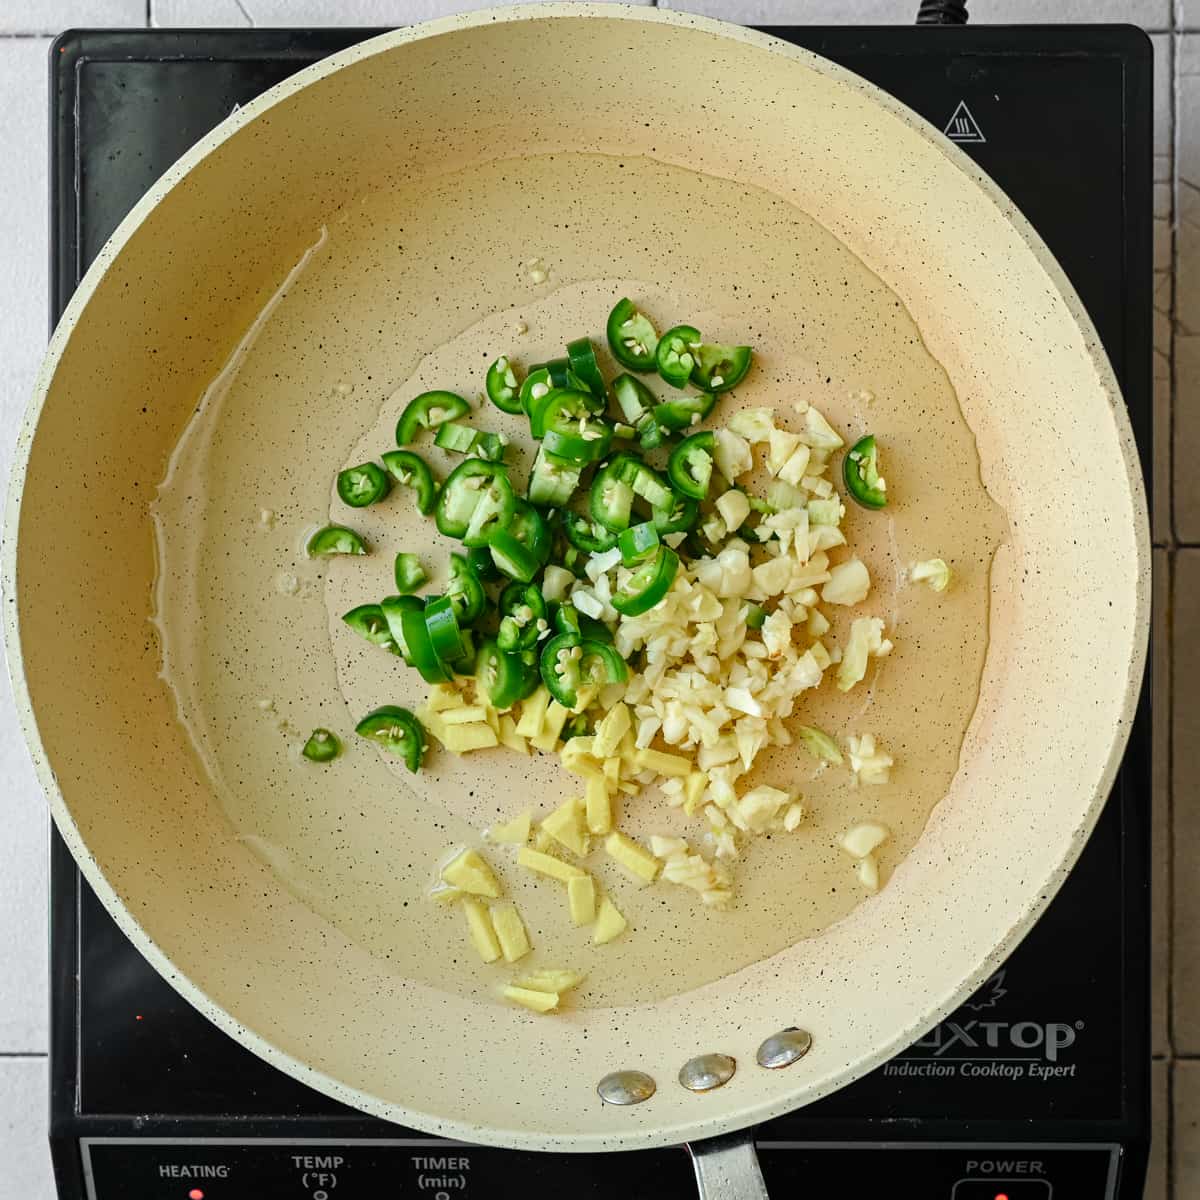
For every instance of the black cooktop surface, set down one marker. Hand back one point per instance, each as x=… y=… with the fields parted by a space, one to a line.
x=1052 y=1052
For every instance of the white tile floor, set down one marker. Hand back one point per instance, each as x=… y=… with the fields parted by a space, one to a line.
x=25 y=1170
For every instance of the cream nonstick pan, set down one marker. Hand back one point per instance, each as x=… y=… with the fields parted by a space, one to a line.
x=342 y=228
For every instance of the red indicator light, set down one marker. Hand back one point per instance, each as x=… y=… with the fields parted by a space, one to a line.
x=197 y=1194
x=999 y=1196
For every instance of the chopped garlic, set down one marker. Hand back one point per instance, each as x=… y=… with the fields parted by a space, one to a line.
x=868 y=872
x=734 y=508
x=933 y=572
x=849 y=583
x=731 y=454
x=754 y=424
x=864 y=838
x=555 y=582
x=599 y=564
x=820 y=744
x=792 y=471
x=782 y=446
x=587 y=603
x=866 y=639
x=869 y=762
x=688 y=869
x=818 y=433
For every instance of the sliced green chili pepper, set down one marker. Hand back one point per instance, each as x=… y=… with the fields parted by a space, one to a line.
x=600 y=663
x=464 y=589
x=675 y=356
x=631 y=337
x=335 y=539
x=634 y=398
x=611 y=496
x=685 y=412
x=691 y=465
x=360 y=486
x=650 y=433
x=559 y=370
x=420 y=647
x=393 y=609
x=442 y=626
x=429 y=410
x=458 y=439
x=503 y=677
x=678 y=516
x=397 y=731
x=529 y=527
x=410 y=574
x=465 y=663
x=368 y=621
x=586 y=442
x=582 y=357
x=559 y=408
x=719 y=368
x=537 y=385
x=513 y=559
x=502 y=387
x=551 y=483
x=860 y=469
x=647 y=483
x=589 y=536
x=559 y=666
x=637 y=543
x=568 y=619
x=576 y=562
x=480 y=558
x=522 y=607
x=755 y=617
x=648 y=584
x=568 y=661
x=411 y=471
x=492 y=446
x=577 y=726
x=322 y=746
x=476 y=494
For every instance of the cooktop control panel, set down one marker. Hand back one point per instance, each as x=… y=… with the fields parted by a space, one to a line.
x=267 y=1169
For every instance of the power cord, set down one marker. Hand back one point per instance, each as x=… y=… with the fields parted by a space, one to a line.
x=942 y=12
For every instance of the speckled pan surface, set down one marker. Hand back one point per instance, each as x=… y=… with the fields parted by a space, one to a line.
x=171 y=297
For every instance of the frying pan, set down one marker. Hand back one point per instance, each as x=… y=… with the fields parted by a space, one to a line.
x=170 y=299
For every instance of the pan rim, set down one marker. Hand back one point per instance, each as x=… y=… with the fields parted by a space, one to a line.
x=464 y=1130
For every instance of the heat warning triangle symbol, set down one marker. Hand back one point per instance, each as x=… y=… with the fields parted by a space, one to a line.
x=962 y=126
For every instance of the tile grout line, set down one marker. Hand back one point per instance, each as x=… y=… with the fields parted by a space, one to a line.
x=1168 y=1134
x=1169 y=867
x=1174 y=109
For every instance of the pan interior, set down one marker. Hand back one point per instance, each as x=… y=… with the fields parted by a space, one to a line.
x=254 y=932
x=319 y=384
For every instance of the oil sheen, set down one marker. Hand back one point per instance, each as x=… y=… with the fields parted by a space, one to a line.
x=422 y=287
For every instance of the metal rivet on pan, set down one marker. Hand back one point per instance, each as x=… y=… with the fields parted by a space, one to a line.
x=784 y=1048
x=626 y=1087
x=707 y=1071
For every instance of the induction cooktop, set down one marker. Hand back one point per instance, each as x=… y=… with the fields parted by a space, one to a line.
x=1035 y=1088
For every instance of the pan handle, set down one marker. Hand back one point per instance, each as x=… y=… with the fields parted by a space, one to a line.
x=727 y=1167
